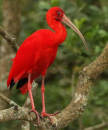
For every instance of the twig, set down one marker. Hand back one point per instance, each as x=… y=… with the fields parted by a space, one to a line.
x=98 y=127
x=7 y=100
x=11 y=41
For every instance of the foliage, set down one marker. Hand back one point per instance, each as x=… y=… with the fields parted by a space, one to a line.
x=91 y=17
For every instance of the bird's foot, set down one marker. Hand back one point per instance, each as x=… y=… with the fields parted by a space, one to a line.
x=37 y=115
x=48 y=115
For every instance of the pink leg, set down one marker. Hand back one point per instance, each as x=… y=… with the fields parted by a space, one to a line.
x=31 y=98
x=43 y=113
x=43 y=97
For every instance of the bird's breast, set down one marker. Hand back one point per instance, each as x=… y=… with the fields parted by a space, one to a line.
x=45 y=59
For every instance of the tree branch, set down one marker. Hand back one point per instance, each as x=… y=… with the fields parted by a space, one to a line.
x=11 y=41
x=86 y=78
x=7 y=100
x=98 y=127
x=25 y=125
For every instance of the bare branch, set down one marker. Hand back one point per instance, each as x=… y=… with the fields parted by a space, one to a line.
x=17 y=113
x=11 y=41
x=13 y=114
x=98 y=127
x=7 y=100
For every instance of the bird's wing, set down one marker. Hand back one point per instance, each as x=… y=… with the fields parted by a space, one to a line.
x=26 y=57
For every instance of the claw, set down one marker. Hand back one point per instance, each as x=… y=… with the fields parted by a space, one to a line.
x=41 y=117
x=36 y=113
x=48 y=115
x=54 y=113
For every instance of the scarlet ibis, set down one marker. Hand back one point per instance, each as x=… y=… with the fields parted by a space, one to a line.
x=37 y=53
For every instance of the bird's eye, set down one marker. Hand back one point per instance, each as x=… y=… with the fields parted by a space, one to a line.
x=59 y=13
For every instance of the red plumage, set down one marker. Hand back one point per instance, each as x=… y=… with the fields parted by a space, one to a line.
x=37 y=53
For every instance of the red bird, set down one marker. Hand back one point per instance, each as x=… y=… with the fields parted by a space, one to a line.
x=37 y=53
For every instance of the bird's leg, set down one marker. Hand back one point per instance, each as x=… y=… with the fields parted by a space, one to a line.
x=43 y=97
x=31 y=98
x=43 y=113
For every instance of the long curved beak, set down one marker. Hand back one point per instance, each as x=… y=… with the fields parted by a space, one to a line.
x=70 y=24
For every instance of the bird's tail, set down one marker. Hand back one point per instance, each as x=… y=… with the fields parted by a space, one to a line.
x=22 y=85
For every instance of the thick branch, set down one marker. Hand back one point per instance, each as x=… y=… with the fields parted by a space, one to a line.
x=11 y=41
x=86 y=78
x=25 y=125
x=14 y=114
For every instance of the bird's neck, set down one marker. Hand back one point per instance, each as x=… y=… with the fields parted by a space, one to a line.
x=60 y=32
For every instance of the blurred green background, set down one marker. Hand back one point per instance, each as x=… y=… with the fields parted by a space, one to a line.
x=91 y=18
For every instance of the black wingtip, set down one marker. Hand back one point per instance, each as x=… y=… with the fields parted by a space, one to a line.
x=12 y=84
x=21 y=82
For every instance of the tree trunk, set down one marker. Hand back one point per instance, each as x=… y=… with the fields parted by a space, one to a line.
x=11 y=23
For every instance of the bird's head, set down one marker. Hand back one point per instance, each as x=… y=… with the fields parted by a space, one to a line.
x=57 y=14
